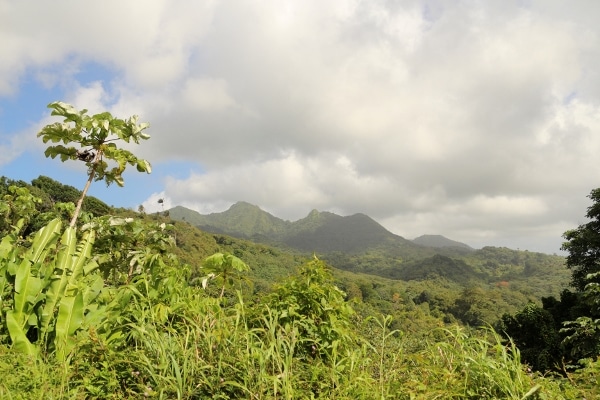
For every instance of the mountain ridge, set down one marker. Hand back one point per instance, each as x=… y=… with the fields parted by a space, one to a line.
x=439 y=241
x=359 y=244
x=319 y=231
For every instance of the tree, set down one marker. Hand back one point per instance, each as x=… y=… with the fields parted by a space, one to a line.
x=95 y=135
x=583 y=246
x=534 y=332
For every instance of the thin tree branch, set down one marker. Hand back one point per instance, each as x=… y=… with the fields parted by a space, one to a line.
x=85 y=189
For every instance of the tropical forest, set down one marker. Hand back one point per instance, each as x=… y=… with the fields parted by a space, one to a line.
x=99 y=302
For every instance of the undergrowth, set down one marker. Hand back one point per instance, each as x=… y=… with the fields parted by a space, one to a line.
x=184 y=344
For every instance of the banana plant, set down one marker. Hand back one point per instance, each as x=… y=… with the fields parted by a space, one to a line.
x=64 y=303
x=27 y=272
x=50 y=297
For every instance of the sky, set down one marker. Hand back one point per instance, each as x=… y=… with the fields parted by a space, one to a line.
x=476 y=120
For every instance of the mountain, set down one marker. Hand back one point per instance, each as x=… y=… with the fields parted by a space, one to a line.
x=242 y=219
x=325 y=232
x=321 y=232
x=358 y=244
x=439 y=241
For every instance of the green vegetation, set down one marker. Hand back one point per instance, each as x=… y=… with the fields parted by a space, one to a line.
x=563 y=334
x=96 y=136
x=359 y=244
x=128 y=305
x=439 y=241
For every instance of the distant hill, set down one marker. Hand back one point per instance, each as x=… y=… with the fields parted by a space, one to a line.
x=324 y=232
x=455 y=270
x=242 y=219
x=321 y=232
x=439 y=241
x=359 y=244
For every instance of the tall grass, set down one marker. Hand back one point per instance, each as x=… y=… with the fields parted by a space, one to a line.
x=193 y=346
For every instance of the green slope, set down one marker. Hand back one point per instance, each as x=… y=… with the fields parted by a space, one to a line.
x=241 y=219
x=359 y=244
x=321 y=232
x=439 y=241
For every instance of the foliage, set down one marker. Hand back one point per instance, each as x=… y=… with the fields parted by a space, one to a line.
x=314 y=307
x=59 y=193
x=583 y=246
x=467 y=366
x=535 y=332
x=96 y=136
x=562 y=333
x=127 y=245
x=48 y=289
x=17 y=208
x=45 y=199
x=226 y=269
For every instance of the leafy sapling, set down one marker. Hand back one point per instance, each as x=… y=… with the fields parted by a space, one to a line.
x=92 y=140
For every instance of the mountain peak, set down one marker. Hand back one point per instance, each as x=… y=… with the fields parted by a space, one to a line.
x=243 y=219
x=243 y=205
x=314 y=213
x=320 y=231
x=327 y=232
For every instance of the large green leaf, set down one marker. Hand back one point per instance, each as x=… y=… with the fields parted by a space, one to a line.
x=70 y=318
x=6 y=247
x=59 y=280
x=68 y=242
x=83 y=255
x=43 y=239
x=27 y=290
x=44 y=242
x=94 y=286
x=18 y=335
x=94 y=310
x=7 y=255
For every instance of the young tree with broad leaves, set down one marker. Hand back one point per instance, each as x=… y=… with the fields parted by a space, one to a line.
x=92 y=140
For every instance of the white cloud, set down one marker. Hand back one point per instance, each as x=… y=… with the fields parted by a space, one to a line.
x=452 y=117
x=504 y=205
x=209 y=95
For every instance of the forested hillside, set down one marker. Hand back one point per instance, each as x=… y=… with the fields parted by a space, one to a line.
x=507 y=279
